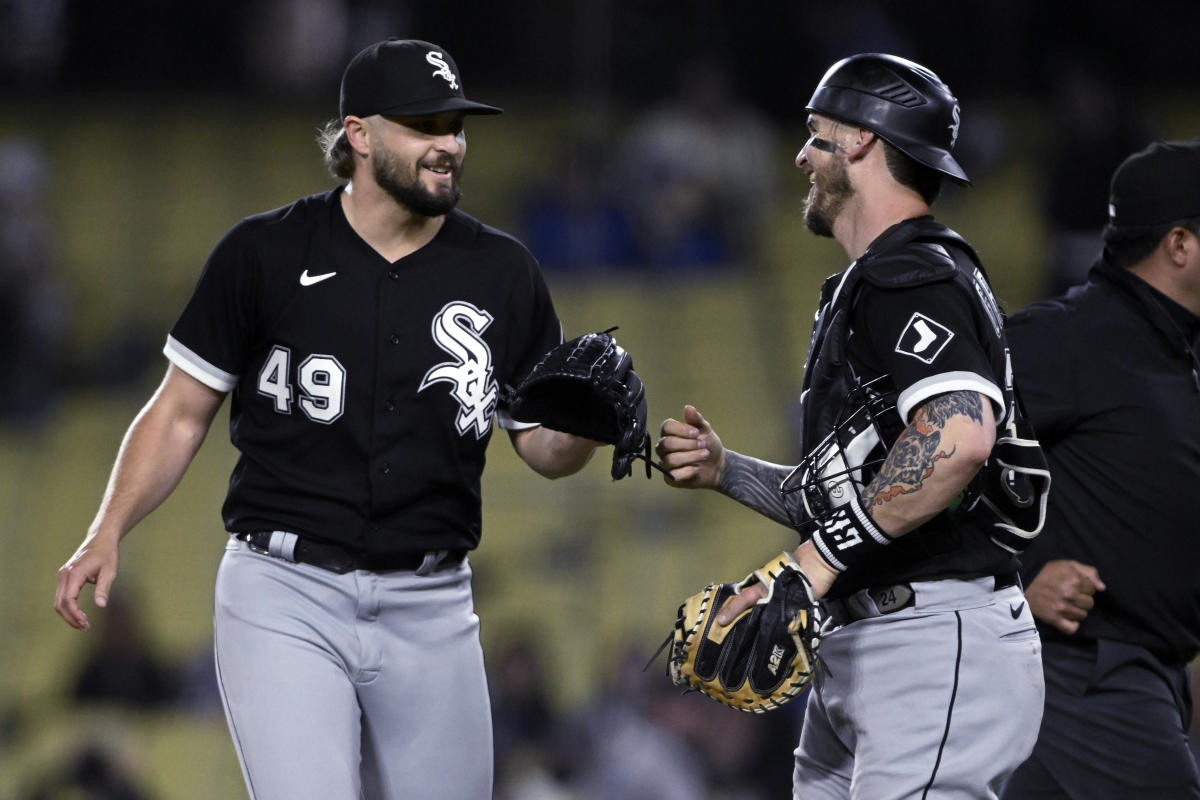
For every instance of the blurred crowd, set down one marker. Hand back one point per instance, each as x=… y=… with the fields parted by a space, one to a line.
x=637 y=738
x=688 y=184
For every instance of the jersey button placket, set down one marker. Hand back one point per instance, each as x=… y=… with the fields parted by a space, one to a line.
x=394 y=339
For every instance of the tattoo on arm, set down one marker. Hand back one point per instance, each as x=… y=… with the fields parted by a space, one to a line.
x=755 y=484
x=918 y=449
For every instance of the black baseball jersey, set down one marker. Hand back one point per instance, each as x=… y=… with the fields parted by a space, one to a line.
x=363 y=391
x=1108 y=374
x=912 y=319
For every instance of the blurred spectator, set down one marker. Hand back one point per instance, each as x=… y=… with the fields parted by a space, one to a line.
x=295 y=47
x=643 y=739
x=90 y=774
x=522 y=715
x=1092 y=127
x=32 y=297
x=572 y=220
x=699 y=173
x=625 y=749
x=32 y=41
x=198 y=690
x=123 y=668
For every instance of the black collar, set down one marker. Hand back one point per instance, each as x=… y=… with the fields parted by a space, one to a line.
x=1178 y=324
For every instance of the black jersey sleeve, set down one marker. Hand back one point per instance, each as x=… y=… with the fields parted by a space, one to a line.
x=210 y=340
x=537 y=330
x=928 y=340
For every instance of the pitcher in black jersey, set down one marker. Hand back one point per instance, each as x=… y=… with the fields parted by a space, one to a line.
x=363 y=335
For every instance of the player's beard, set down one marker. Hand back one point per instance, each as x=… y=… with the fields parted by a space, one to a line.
x=405 y=187
x=827 y=198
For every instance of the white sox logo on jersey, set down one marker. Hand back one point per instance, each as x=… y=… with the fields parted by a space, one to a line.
x=923 y=338
x=443 y=69
x=458 y=329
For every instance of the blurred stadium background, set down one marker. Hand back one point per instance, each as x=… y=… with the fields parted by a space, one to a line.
x=133 y=135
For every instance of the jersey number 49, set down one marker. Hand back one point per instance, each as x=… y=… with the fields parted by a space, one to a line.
x=322 y=381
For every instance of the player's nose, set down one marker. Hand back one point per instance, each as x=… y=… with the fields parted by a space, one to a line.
x=802 y=156
x=449 y=143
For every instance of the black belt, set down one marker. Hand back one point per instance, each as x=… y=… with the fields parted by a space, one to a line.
x=890 y=599
x=336 y=558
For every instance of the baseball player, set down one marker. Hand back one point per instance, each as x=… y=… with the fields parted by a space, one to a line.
x=1111 y=378
x=928 y=682
x=364 y=334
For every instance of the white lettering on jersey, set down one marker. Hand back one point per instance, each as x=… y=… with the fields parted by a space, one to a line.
x=443 y=69
x=458 y=329
x=990 y=307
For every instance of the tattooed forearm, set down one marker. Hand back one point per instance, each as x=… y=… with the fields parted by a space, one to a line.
x=919 y=448
x=938 y=410
x=755 y=484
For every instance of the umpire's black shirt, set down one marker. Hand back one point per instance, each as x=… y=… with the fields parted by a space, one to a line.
x=1108 y=375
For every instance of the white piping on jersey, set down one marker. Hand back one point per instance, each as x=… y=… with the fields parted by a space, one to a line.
x=958 y=381
x=197 y=367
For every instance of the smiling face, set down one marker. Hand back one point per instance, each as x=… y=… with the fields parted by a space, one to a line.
x=418 y=160
x=824 y=161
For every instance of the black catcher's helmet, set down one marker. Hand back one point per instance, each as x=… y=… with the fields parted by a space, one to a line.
x=904 y=103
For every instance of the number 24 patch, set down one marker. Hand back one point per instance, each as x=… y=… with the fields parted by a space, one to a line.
x=923 y=338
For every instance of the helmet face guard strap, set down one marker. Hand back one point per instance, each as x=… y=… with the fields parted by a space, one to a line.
x=831 y=474
x=901 y=101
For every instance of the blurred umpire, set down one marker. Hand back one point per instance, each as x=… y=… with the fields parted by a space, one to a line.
x=1111 y=380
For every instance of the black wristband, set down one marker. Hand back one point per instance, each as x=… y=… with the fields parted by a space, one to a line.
x=848 y=537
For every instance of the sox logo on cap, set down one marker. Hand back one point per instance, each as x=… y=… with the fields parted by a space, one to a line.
x=443 y=69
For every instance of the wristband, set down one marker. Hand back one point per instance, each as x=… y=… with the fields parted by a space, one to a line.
x=848 y=537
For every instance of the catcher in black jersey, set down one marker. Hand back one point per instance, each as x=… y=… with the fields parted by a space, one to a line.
x=918 y=485
x=365 y=335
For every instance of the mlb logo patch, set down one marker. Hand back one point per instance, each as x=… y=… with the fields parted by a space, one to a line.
x=923 y=338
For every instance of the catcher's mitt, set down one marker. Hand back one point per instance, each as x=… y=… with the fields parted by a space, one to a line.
x=587 y=387
x=762 y=659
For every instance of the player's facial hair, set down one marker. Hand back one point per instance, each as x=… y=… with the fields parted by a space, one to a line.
x=405 y=187
x=833 y=189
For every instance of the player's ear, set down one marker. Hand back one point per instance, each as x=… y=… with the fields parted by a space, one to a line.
x=1179 y=244
x=859 y=143
x=358 y=134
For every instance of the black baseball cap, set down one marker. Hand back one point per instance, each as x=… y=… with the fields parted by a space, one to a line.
x=1157 y=185
x=404 y=78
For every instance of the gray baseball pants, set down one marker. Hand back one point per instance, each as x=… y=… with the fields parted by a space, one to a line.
x=363 y=685
x=941 y=699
